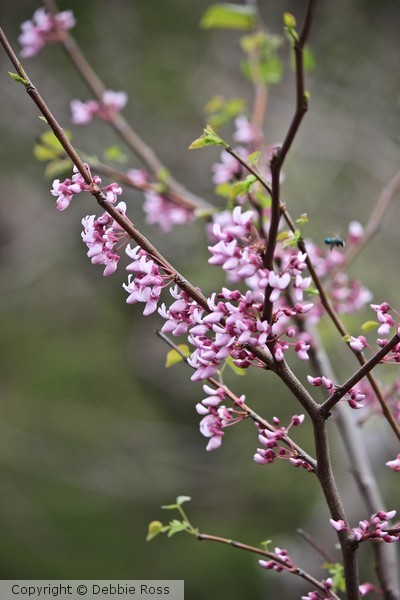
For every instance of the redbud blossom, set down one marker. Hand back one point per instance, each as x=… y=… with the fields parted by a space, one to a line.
x=394 y=464
x=43 y=28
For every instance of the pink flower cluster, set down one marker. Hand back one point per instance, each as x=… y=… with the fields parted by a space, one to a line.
x=65 y=190
x=43 y=28
x=164 y=213
x=271 y=440
x=215 y=417
x=353 y=397
x=147 y=283
x=111 y=103
x=223 y=331
x=284 y=562
x=387 y=325
x=318 y=595
x=375 y=528
x=101 y=235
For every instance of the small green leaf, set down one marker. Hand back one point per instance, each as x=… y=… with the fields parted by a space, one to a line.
x=176 y=526
x=336 y=571
x=57 y=167
x=181 y=499
x=289 y=20
x=303 y=219
x=155 y=527
x=240 y=188
x=116 y=154
x=169 y=506
x=18 y=78
x=346 y=338
x=229 y=16
x=266 y=544
x=284 y=235
x=253 y=158
x=174 y=357
x=44 y=153
x=312 y=291
x=42 y=118
x=208 y=138
x=308 y=59
x=369 y=325
x=224 y=190
x=237 y=370
x=292 y=240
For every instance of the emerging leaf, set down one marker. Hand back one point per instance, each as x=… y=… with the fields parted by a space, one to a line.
x=181 y=499
x=116 y=154
x=176 y=526
x=233 y=367
x=208 y=138
x=174 y=357
x=369 y=325
x=155 y=527
x=17 y=78
x=229 y=16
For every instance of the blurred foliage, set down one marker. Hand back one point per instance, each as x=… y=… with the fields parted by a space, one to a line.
x=96 y=434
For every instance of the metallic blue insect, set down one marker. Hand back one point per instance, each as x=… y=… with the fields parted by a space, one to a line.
x=334 y=242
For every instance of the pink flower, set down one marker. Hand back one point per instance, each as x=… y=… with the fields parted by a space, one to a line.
x=147 y=283
x=394 y=464
x=101 y=235
x=245 y=132
x=164 y=213
x=358 y=343
x=338 y=525
x=43 y=28
x=228 y=169
x=112 y=102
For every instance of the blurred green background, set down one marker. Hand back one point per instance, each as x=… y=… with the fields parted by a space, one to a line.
x=95 y=434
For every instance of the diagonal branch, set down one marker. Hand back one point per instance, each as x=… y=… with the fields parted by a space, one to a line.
x=358 y=375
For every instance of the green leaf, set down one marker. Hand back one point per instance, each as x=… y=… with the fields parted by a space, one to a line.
x=233 y=367
x=57 y=167
x=253 y=158
x=173 y=357
x=116 y=154
x=312 y=291
x=229 y=16
x=169 y=506
x=336 y=571
x=44 y=153
x=303 y=219
x=181 y=499
x=176 y=526
x=346 y=338
x=284 y=235
x=220 y=111
x=369 y=325
x=18 y=78
x=208 y=138
x=224 y=190
x=308 y=59
x=155 y=527
x=266 y=544
x=240 y=188
x=292 y=240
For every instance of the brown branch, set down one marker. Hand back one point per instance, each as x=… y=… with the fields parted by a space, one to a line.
x=281 y=153
x=302 y=454
x=340 y=391
x=341 y=328
x=388 y=194
x=270 y=555
x=118 y=121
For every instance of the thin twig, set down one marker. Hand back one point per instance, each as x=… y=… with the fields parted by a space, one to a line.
x=340 y=391
x=281 y=153
x=388 y=194
x=302 y=454
x=117 y=120
x=271 y=556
